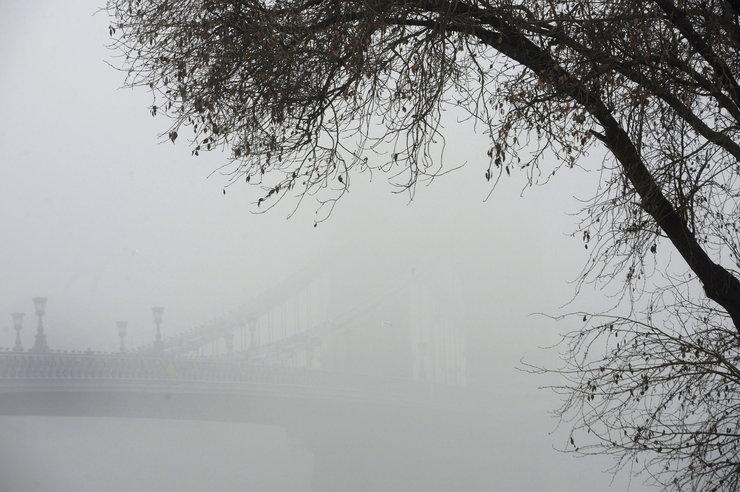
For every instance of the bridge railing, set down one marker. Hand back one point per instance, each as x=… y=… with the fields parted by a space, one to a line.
x=59 y=368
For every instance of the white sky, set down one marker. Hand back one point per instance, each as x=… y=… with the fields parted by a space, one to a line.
x=106 y=220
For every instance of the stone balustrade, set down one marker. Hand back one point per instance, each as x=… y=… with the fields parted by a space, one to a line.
x=58 y=367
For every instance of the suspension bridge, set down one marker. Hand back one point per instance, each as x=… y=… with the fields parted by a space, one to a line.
x=329 y=361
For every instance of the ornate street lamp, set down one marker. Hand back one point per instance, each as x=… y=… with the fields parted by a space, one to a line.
x=39 y=304
x=18 y=325
x=122 y=325
x=158 y=312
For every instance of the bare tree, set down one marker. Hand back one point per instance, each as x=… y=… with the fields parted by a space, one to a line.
x=304 y=93
x=660 y=393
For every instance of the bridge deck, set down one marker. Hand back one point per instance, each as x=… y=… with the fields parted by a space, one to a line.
x=55 y=372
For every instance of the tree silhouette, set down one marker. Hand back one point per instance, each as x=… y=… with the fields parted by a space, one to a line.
x=304 y=93
x=660 y=393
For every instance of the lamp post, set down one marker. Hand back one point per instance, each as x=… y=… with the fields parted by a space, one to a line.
x=39 y=304
x=18 y=325
x=122 y=325
x=158 y=312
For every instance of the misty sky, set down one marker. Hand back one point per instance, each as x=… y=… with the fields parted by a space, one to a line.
x=107 y=218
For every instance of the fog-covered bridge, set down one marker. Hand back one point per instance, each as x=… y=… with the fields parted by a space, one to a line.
x=135 y=385
x=345 y=368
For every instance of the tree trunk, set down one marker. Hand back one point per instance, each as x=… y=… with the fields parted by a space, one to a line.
x=719 y=284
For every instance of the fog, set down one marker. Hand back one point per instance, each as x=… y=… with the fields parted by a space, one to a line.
x=106 y=219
